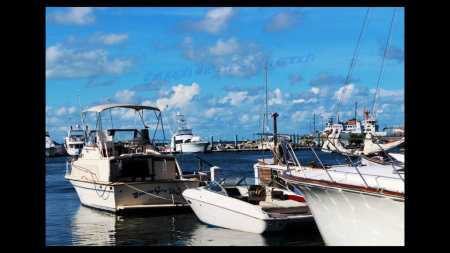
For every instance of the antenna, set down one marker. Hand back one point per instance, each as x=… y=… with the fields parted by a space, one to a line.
x=82 y=121
x=110 y=115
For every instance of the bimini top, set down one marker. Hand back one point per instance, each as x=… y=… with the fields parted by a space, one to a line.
x=101 y=108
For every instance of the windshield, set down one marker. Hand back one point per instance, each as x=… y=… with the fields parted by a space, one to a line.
x=213 y=186
x=237 y=181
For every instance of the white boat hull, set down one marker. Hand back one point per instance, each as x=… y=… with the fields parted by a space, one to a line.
x=226 y=212
x=192 y=147
x=215 y=216
x=353 y=218
x=114 y=197
x=73 y=151
x=398 y=156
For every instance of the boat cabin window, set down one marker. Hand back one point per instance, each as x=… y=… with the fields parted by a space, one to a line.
x=127 y=135
x=213 y=186
x=76 y=133
x=240 y=181
x=75 y=145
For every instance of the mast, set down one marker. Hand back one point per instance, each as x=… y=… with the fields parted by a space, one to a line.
x=266 y=105
x=264 y=114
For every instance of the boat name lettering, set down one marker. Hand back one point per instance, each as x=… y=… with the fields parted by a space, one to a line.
x=156 y=191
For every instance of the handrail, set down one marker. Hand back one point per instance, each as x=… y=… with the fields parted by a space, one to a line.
x=393 y=162
x=355 y=166
x=203 y=160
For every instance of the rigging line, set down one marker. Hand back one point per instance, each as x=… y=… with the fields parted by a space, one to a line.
x=386 y=55
x=355 y=55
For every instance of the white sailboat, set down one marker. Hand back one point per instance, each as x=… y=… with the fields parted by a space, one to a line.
x=120 y=169
x=354 y=205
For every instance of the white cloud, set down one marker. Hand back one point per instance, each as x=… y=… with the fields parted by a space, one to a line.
x=65 y=63
x=211 y=112
x=350 y=91
x=235 y=98
x=282 y=21
x=61 y=111
x=277 y=99
x=224 y=48
x=315 y=90
x=74 y=15
x=125 y=96
x=215 y=21
x=244 y=118
x=71 y=110
x=227 y=57
x=301 y=100
x=180 y=96
x=124 y=113
x=300 y=116
x=108 y=39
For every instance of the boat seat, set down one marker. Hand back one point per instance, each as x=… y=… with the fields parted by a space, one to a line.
x=284 y=206
x=233 y=192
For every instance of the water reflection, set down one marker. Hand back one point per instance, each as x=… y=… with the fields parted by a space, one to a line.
x=212 y=236
x=92 y=227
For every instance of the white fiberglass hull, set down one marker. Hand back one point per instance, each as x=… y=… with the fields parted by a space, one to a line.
x=73 y=151
x=226 y=212
x=115 y=197
x=398 y=156
x=192 y=147
x=351 y=218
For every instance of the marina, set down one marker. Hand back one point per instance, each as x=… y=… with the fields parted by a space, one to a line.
x=73 y=224
x=207 y=153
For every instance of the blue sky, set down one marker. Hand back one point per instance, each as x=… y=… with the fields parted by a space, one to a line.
x=209 y=64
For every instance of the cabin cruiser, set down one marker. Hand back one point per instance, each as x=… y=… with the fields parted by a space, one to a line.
x=73 y=142
x=241 y=204
x=50 y=147
x=120 y=169
x=184 y=140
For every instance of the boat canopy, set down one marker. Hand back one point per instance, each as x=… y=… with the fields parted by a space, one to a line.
x=101 y=108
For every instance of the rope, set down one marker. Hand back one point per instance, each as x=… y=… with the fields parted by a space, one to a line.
x=94 y=181
x=173 y=201
x=355 y=56
x=386 y=55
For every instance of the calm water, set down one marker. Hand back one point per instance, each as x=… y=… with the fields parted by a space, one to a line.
x=68 y=223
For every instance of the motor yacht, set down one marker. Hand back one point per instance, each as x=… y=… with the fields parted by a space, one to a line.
x=184 y=141
x=73 y=142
